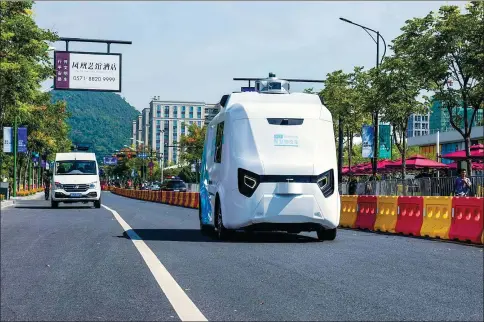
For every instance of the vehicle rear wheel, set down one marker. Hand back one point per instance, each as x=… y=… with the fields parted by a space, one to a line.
x=54 y=204
x=222 y=232
x=326 y=234
x=97 y=203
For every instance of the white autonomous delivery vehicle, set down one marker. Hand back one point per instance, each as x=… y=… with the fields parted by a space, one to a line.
x=269 y=164
x=76 y=179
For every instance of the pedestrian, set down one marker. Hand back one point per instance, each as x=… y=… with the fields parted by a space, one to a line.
x=462 y=185
x=46 y=185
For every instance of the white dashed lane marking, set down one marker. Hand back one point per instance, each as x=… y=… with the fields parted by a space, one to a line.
x=183 y=306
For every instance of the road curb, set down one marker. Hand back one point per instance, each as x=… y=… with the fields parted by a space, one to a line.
x=13 y=200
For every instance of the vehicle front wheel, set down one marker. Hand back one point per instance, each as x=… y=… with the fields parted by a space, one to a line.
x=326 y=234
x=97 y=203
x=222 y=232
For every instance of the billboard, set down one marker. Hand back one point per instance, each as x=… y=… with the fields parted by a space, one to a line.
x=110 y=160
x=22 y=140
x=84 y=71
x=385 y=141
x=367 y=140
x=7 y=140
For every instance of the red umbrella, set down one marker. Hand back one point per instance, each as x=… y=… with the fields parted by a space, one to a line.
x=418 y=162
x=479 y=166
x=381 y=166
x=356 y=169
x=477 y=152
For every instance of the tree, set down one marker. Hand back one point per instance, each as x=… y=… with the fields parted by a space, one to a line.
x=444 y=49
x=191 y=144
x=25 y=62
x=343 y=98
x=24 y=65
x=398 y=90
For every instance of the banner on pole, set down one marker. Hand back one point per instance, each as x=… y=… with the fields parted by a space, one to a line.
x=367 y=140
x=385 y=141
x=7 y=140
x=110 y=161
x=22 y=140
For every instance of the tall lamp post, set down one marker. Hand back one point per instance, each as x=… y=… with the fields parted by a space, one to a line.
x=375 y=114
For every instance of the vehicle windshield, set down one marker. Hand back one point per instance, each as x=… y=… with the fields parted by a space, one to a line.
x=77 y=167
x=176 y=184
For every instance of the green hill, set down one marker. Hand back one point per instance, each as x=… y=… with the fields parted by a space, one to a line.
x=101 y=118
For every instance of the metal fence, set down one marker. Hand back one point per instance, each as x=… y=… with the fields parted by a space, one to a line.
x=443 y=186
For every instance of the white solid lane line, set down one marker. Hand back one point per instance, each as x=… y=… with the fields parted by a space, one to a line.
x=183 y=306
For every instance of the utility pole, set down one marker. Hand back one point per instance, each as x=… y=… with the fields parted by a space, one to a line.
x=376 y=148
x=15 y=147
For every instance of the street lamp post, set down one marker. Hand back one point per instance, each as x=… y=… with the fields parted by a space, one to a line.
x=375 y=114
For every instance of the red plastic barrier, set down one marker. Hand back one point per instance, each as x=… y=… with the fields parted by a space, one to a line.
x=366 y=212
x=159 y=196
x=170 y=197
x=410 y=215
x=196 y=201
x=467 y=223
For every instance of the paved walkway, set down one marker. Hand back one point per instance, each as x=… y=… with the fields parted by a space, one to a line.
x=11 y=202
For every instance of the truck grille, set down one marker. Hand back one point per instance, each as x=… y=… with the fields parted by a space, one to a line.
x=76 y=187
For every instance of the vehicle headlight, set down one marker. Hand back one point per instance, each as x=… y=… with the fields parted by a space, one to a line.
x=58 y=185
x=92 y=185
x=325 y=183
x=247 y=182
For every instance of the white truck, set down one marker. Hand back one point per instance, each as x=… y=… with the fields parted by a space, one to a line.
x=269 y=163
x=75 y=179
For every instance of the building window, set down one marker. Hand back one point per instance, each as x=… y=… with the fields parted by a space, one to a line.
x=199 y=123
x=158 y=108
x=175 y=111
x=158 y=113
x=199 y=115
x=167 y=125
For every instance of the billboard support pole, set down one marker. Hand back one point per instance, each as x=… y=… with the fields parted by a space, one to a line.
x=102 y=41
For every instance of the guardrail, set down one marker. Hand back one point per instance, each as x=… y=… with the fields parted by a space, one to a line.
x=443 y=186
x=448 y=218
x=182 y=199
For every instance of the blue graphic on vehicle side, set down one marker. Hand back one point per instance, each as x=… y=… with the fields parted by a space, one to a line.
x=206 y=207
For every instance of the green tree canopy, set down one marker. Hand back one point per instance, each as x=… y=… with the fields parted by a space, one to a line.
x=445 y=50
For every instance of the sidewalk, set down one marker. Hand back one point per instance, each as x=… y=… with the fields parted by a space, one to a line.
x=11 y=202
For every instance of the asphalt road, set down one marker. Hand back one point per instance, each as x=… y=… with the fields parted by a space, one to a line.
x=77 y=263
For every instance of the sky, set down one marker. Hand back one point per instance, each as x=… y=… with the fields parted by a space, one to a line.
x=192 y=50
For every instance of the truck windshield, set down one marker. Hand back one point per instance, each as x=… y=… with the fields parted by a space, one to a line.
x=77 y=167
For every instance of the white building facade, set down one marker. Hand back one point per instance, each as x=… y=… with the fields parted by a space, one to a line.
x=161 y=125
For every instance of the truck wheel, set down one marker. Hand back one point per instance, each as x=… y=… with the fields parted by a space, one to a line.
x=326 y=234
x=54 y=204
x=97 y=203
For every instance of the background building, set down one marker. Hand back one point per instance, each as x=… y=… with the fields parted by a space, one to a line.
x=418 y=125
x=449 y=139
x=440 y=119
x=161 y=125
x=211 y=110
